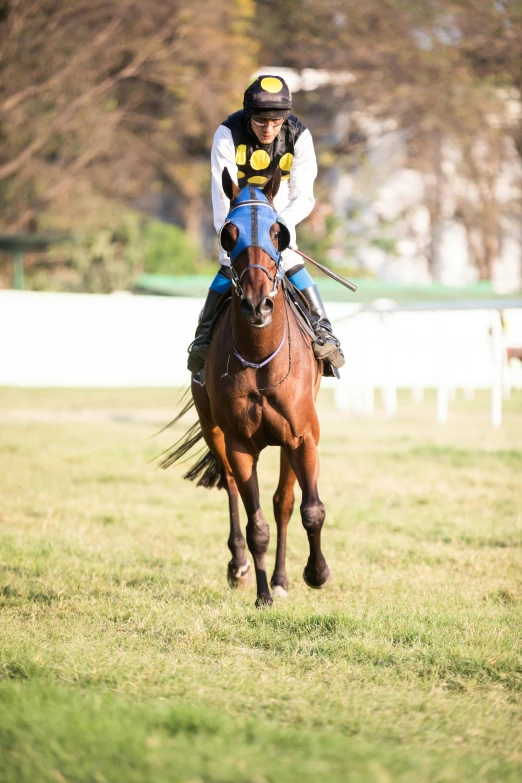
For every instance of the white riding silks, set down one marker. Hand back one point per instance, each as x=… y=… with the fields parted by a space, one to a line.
x=294 y=201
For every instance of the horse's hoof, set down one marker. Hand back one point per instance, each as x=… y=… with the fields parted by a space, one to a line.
x=240 y=578
x=279 y=592
x=263 y=601
x=325 y=581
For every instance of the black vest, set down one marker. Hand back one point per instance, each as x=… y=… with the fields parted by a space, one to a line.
x=257 y=162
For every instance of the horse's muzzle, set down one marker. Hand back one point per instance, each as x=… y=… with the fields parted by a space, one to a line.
x=259 y=314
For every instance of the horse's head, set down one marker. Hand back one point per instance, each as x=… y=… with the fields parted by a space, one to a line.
x=254 y=237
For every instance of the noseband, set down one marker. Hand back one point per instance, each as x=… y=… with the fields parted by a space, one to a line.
x=254 y=226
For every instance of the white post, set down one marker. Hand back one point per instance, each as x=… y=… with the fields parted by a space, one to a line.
x=497 y=363
x=442 y=403
x=369 y=400
x=445 y=348
x=342 y=397
x=389 y=398
x=357 y=399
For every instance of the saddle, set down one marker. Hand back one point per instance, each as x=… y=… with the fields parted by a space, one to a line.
x=306 y=320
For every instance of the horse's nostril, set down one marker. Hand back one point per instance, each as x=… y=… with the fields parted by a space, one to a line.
x=246 y=306
x=266 y=306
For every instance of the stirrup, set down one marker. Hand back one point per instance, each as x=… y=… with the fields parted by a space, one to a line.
x=329 y=352
x=329 y=371
x=199 y=377
x=328 y=347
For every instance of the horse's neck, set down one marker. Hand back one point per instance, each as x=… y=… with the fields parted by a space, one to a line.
x=255 y=344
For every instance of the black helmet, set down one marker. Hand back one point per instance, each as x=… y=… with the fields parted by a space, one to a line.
x=268 y=96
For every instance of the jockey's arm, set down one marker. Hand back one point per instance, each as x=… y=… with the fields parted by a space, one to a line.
x=301 y=191
x=223 y=155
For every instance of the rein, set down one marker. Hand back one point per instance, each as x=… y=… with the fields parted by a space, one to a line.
x=248 y=388
x=266 y=361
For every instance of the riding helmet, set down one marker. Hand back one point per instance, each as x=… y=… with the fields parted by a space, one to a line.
x=268 y=96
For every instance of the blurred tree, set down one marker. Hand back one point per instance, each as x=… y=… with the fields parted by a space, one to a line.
x=119 y=97
x=121 y=93
x=446 y=70
x=162 y=243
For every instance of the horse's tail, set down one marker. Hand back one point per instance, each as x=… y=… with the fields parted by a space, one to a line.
x=208 y=470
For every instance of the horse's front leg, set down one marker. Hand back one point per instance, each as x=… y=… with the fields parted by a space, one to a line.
x=239 y=573
x=304 y=460
x=283 y=507
x=243 y=461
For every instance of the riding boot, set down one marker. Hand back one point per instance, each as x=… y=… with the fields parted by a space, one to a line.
x=328 y=348
x=198 y=348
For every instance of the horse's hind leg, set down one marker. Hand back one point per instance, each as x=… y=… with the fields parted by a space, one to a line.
x=283 y=507
x=305 y=462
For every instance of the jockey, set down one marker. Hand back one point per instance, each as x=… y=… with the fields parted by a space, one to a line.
x=251 y=144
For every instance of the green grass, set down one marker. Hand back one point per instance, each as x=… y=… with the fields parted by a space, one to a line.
x=124 y=656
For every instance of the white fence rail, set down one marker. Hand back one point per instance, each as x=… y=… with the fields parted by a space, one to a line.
x=91 y=340
x=86 y=340
x=445 y=350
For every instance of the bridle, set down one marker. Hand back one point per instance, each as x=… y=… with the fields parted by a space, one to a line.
x=254 y=231
x=237 y=279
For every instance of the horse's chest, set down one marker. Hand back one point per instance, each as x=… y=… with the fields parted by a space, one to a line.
x=260 y=419
x=251 y=414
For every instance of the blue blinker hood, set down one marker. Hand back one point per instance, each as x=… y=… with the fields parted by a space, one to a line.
x=253 y=215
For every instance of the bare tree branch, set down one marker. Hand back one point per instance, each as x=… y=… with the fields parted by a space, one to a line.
x=55 y=79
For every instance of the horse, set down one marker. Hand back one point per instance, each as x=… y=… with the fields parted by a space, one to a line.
x=261 y=380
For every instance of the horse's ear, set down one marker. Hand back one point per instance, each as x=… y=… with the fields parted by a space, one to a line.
x=272 y=186
x=230 y=188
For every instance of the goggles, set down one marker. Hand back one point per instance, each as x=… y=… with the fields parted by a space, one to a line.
x=263 y=123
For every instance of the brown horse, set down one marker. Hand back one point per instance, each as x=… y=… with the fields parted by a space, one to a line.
x=260 y=383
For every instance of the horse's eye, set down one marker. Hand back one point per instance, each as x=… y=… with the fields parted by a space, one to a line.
x=277 y=234
x=228 y=240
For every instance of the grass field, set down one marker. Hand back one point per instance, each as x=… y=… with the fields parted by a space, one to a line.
x=125 y=657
